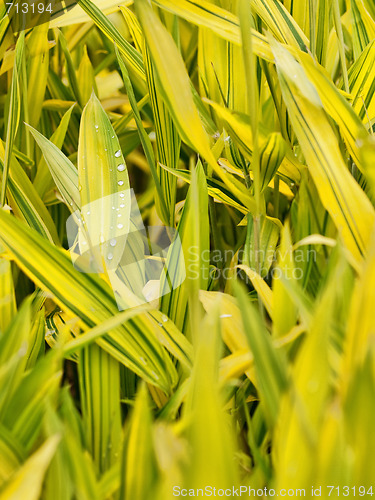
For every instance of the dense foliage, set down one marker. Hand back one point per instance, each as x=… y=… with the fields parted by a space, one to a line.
x=248 y=126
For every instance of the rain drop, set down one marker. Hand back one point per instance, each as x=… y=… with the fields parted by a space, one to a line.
x=164 y=318
x=110 y=256
x=120 y=183
x=120 y=226
x=23 y=349
x=121 y=167
x=122 y=205
x=122 y=195
x=113 y=242
x=118 y=154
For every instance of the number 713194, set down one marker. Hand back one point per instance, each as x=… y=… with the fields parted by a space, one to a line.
x=29 y=8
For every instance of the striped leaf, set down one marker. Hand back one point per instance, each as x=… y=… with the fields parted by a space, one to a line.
x=25 y=201
x=269 y=364
x=86 y=296
x=195 y=244
x=333 y=181
x=219 y=20
x=172 y=80
x=28 y=480
x=13 y=115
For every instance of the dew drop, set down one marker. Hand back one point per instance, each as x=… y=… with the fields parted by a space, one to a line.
x=121 y=167
x=88 y=213
x=160 y=324
x=164 y=318
x=142 y=360
x=113 y=242
x=118 y=215
x=122 y=205
x=110 y=256
x=120 y=226
x=23 y=349
x=122 y=195
x=118 y=154
x=120 y=183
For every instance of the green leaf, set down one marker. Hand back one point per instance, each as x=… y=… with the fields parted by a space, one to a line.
x=139 y=467
x=13 y=116
x=28 y=480
x=270 y=369
x=319 y=144
x=90 y=298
